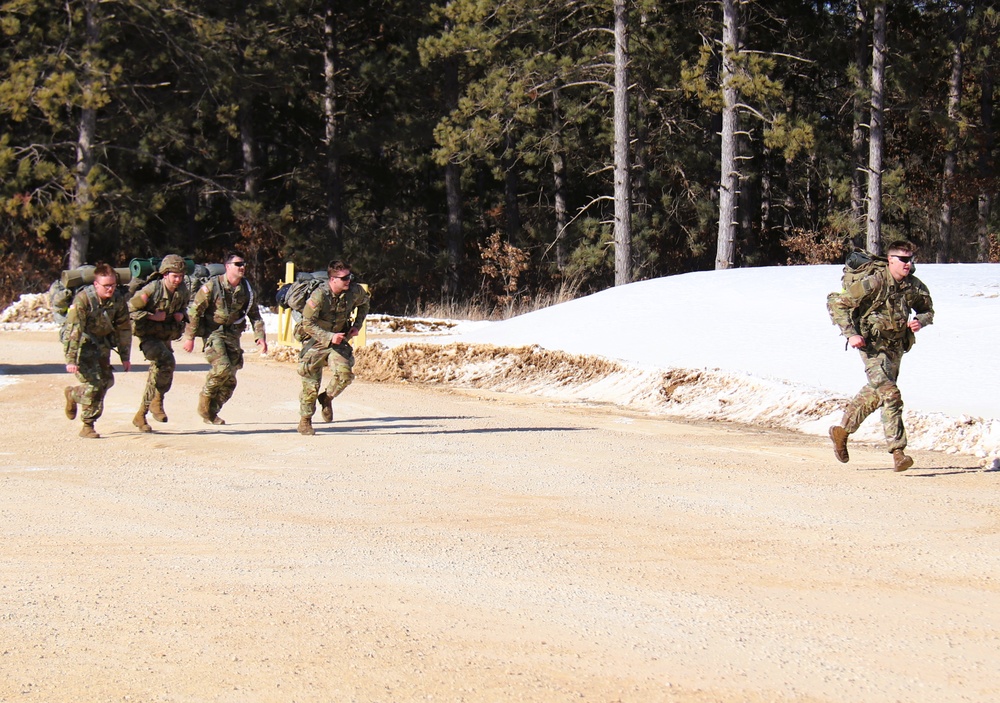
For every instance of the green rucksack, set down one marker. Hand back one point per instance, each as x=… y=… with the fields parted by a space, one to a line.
x=861 y=264
x=63 y=290
x=294 y=295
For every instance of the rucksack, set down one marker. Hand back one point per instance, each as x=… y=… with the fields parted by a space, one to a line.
x=861 y=264
x=145 y=270
x=62 y=291
x=200 y=274
x=294 y=295
x=206 y=326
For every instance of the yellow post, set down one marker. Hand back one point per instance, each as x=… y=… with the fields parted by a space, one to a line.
x=285 y=326
x=359 y=341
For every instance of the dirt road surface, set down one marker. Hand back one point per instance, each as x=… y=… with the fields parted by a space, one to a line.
x=444 y=545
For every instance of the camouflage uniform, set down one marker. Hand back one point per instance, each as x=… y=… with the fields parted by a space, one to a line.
x=877 y=308
x=323 y=316
x=93 y=328
x=219 y=313
x=155 y=338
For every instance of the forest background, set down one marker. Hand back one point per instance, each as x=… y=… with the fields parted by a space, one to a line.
x=498 y=152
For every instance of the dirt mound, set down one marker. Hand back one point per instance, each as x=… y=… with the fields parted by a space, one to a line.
x=31 y=308
x=478 y=365
x=388 y=324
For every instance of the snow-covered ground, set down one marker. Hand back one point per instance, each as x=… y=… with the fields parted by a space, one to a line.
x=764 y=334
x=755 y=346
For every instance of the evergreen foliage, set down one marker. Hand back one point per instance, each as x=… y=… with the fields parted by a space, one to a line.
x=210 y=134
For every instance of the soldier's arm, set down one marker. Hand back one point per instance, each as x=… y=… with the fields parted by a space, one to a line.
x=138 y=302
x=123 y=328
x=253 y=314
x=842 y=306
x=363 y=305
x=183 y=300
x=312 y=314
x=923 y=305
x=196 y=310
x=75 y=318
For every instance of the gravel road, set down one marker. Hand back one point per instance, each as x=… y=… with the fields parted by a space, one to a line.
x=439 y=544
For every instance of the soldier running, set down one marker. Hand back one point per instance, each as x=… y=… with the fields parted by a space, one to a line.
x=219 y=313
x=159 y=311
x=324 y=331
x=96 y=322
x=873 y=313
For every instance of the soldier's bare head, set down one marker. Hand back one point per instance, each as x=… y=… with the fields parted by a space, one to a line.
x=340 y=276
x=105 y=281
x=236 y=266
x=901 y=254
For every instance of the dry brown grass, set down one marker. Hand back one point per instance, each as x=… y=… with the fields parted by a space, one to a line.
x=477 y=365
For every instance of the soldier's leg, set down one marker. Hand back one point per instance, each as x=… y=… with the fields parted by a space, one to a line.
x=161 y=368
x=224 y=392
x=217 y=357
x=227 y=384
x=96 y=378
x=149 y=350
x=868 y=399
x=892 y=402
x=860 y=407
x=342 y=376
x=311 y=364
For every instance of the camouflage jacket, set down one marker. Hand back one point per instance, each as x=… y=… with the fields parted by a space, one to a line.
x=326 y=314
x=152 y=298
x=102 y=323
x=219 y=306
x=878 y=308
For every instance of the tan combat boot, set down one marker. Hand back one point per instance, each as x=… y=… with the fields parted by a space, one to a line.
x=326 y=406
x=70 y=403
x=156 y=408
x=88 y=431
x=839 y=436
x=901 y=462
x=140 y=421
x=306 y=426
x=205 y=408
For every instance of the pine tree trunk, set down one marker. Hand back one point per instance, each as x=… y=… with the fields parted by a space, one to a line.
x=512 y=212
x=623 y=197
x=248 y=144
x=951 y=145
x=858 y=144
x=83 y=198
x=559 y=184
x=877 y=134
x=453 y=191
x=729 y=179
x=986 y=169
x=334 y=187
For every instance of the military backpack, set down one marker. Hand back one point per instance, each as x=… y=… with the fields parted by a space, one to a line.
x=64 y=289
x=861 y=264
x=294 y=295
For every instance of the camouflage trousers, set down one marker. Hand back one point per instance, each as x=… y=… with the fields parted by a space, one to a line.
x=312 y=361
x=225 y=355
x=160 y=355
x=881 y=391
x=96 y=377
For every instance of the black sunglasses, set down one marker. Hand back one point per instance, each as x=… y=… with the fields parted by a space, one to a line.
x=904 y=259
x=239 y=264
x=348 y=277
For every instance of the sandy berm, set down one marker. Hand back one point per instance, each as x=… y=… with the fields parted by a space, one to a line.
x=442 y=544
